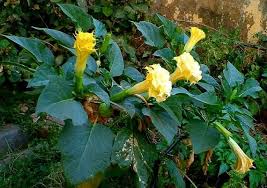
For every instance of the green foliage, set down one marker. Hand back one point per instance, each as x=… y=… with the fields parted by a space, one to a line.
x=94 y=149
x=203 y=137
x=146 y=133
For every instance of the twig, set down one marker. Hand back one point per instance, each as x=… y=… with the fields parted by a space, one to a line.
x=18 y=65
x=189 y=179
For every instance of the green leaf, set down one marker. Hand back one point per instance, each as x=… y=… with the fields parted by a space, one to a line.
x=250 y=88
x=163 y=122
x=132 y=150
x=134 y=74
x=42 y=75
x=232 y=75
x=68 y=68
x=174 y=108
x=246 y=123
x=63 y=38
x=207 y=97
x=98 y=91
x=83 y=4
x=77 y=15
x=100 y=28
x=57 y=100
x=168 y=25
x=115 y=59
x=152 y=34
x=107 y=11
x=166 y=54
x=86 y=150
x=128 y=105
x=175 y=174
x=223 y=168
x=203 y=137
x=209 y=80
x=35 y=47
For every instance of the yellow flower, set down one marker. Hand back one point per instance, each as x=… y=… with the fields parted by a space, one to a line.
x=244 y=163
x=196 y=35
x=157 y=83
x=187 y=69
x=84 y=45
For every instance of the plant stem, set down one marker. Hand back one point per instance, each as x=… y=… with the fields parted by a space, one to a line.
x=78 y=84
x=223 y=130
x=119 y=96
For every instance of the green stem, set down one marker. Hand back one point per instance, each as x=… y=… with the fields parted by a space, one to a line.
x=78 y=84
x=223 y=130
x=119 y=96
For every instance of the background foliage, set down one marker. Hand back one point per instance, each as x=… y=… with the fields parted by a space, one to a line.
x=227 y=98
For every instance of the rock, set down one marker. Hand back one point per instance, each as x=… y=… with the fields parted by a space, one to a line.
x=11 y=138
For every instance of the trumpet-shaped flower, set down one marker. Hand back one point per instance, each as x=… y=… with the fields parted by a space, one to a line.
x=157 y=83
x=84 y=46
x=187 y=69
x=244 y=163
x=196 y=35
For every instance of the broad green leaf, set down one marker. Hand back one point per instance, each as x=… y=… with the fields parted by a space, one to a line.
x=131 y=149
x=151 y=33
x=77 y=15
x=91 y=66
x=206 y=86
x=175 y=174
x=168 y=25
x=98 y=91
x=63 y=38
x=128 y=105
x=209 y=80
x=57 y=100
x=174 y=108
x=163 y=123
x=115 y=59
x=203 y=137
x=68 y=68
x=42 y=75
x=232 y=75
x=250 y=88
x=207 y=97
x=134 y=74
x=35 y=47
x=246 y=123
x=100 y=28
x=166 y=54
x=86 y=150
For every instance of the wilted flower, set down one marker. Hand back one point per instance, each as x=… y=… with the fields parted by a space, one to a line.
x=157 y=83
x=244 y=163
x=84 y=45
x=196 y=35
x=187 y=69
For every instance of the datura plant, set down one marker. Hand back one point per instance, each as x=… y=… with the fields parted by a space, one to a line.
x=119 y=119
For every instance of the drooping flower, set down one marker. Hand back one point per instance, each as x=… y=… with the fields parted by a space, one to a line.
x=196 y=35
x=157 y=83
x=187 y=69
x=243 y=163
x=84 y=45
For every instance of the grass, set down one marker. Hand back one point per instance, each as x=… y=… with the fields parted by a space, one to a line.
x=39 y=164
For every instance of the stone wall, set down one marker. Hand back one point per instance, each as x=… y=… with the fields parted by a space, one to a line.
x=248 y=15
